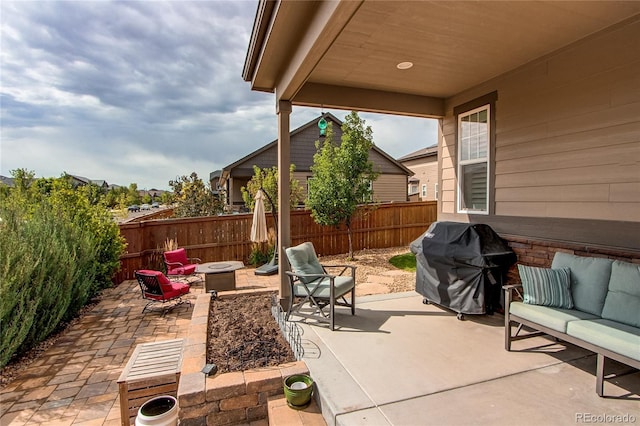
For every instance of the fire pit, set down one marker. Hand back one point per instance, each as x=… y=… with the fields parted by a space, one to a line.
x=219 y=276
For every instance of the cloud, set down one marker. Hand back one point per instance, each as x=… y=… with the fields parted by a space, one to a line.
x=134 y=91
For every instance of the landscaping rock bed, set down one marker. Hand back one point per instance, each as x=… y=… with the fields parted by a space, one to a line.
x=375 y=262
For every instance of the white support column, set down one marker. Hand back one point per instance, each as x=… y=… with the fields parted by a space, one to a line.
x=284 y=212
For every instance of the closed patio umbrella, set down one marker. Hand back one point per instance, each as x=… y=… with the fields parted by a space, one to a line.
x=259 y=225
x=259 y=233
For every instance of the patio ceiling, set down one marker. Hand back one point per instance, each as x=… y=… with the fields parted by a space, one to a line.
x=343 y=54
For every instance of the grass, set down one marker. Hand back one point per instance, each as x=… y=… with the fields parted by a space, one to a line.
x=406 y=262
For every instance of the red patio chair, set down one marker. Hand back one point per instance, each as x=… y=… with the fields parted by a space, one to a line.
x=178 y=264
x=157 y=288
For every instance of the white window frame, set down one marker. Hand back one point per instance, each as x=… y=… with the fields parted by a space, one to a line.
x=435 y=191
x=482 y=160
x=423 y=192
x=309 y=179
x=370 y=200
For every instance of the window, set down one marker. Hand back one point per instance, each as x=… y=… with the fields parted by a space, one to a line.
x=309 y=183
x=413 y=188
x=435 y=191
x=368 y=198
x=424 y=190
x=473 y=161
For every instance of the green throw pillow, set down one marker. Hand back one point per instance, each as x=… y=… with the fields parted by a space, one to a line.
x=546 y=287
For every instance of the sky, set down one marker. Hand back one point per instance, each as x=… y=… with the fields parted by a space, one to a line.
x=143 y=92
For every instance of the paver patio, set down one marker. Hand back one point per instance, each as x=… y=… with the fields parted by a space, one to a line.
x=74 y=381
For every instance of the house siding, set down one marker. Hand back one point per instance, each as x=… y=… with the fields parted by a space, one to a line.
x=236 y=190
x=303 y=148
x=385 y=188
x=302 y=178
x=567 y=137
x=426 y=171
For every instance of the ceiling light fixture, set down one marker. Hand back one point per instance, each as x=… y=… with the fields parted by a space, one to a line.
x=404 y=65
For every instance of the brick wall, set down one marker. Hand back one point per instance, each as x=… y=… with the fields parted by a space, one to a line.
x=540 y=253
x=229 y=398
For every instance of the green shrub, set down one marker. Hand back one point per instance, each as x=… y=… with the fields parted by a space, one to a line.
x=57 y=251
x=260 y=254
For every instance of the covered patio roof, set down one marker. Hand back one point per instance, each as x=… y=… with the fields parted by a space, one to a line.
x=344 y=54
x=425 y=58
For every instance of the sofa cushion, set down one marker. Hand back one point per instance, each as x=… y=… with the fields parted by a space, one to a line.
x=619 y=338
x=553 y=318
x=546 y=287
x=623 y=298
x=589 y=280
x=170 y=291
x=322 y=288
x=303 y=260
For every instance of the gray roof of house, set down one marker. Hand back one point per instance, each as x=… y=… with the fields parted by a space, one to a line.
x=302 y=156
x=421 y=153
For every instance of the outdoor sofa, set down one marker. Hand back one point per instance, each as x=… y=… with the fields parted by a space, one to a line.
x=590 y=302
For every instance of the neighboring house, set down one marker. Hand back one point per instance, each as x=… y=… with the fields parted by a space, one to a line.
x=77 y=181
x=7 y=181
x=153 y=193
x=423 y=185
x=100 y=183
x=391 y=184
x=214 y=181
x=537 y=102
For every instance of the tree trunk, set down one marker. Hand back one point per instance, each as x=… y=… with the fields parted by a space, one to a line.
x=350 y=242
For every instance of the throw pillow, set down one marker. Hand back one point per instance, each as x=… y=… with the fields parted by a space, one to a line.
x=546 y=287
x=303 y=260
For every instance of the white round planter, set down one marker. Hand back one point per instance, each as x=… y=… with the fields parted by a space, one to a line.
x=158 y=411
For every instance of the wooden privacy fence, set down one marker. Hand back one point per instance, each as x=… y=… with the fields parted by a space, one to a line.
x=219 y=238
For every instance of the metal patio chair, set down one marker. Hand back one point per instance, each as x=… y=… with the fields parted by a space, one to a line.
x=178 y=264
x=312 y=283
x=157 y=288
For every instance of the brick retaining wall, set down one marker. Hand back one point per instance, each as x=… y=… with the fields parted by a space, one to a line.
x=229 y=398
x=540 y=253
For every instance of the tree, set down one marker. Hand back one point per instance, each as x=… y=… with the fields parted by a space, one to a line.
x=193 y=198
x=166 y=197
x=267 y=179
x=64 y=248
x=342 y=175
x=133 y=195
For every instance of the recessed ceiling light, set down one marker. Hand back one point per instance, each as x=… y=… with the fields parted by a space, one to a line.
x=404 y=65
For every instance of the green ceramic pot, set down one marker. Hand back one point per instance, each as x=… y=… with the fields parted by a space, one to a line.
x=297 y=390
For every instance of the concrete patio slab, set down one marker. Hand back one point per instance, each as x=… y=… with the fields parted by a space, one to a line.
x=560 y=394
x=400 y=362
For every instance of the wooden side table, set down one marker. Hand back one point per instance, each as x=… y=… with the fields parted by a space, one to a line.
x=152 y=370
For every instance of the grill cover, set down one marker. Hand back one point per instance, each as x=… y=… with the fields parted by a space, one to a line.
x=460 y=266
